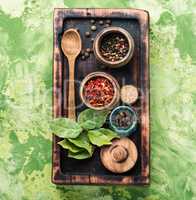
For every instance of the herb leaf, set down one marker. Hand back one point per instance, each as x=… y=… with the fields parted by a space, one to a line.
x=65 y=128
x=69 y=146
x=88 y=125
x=90 y=119
x=82 y=141
x=101 y=136
x=79 y=155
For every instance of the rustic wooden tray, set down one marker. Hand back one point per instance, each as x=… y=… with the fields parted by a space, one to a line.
x=70 y=171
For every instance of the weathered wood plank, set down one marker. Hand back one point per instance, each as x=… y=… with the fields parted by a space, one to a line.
x=69 y=171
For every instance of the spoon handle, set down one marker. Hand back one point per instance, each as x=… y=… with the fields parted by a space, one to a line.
x=71 y=93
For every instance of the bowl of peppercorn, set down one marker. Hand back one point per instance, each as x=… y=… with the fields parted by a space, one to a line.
x=113 y=46
x=123 y=120
x=100 y=91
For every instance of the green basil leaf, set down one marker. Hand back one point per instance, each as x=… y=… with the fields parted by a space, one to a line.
x=88 y=125
x=102 y=136
x=82 y=141
x=69 y=146
x=90 y=119
x=65 y=128
x=79 y=155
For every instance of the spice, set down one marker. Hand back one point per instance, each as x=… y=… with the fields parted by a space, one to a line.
x=82 y=52
x=87 y=34
x=86 y=54
x=108 y=21
x=123 y=119
x=114 y=47
x=88 y=50
x=98 y=91
x=83 y=57
x=93 y=28
x=129 y=94
x=92 y=21
x=101 y=22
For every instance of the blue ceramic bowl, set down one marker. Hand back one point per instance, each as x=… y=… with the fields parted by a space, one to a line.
x=123 y=131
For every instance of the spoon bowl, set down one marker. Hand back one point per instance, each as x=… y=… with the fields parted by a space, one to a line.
x=71 y=43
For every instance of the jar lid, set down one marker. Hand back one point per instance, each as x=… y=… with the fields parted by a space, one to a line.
x=129 y=94
x=120 y=156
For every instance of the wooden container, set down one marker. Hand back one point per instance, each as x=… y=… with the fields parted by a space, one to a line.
x=119 y=157
x=104 y=33
x=70 y=171
x=115 y=84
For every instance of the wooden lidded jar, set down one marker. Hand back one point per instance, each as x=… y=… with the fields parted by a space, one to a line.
x=104 y=33
x=119 y=157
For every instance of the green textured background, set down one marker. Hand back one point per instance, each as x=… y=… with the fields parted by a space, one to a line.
x=25 y=102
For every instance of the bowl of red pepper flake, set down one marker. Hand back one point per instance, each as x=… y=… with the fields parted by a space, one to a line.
x=113 y=46
x=100 y=91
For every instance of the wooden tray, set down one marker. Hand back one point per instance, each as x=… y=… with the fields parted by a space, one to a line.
x=70 y=171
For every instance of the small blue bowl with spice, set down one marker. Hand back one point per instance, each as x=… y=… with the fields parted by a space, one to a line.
x=123 y=120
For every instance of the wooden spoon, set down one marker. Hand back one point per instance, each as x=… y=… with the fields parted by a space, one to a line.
x=71 y=45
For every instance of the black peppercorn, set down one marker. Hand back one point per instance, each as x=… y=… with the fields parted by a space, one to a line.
x=82 y=52
x=101 y=22
x=93 y=28
x=83 y=57
x=86 y=54
x=87 y=34
x=114 y=47
x=123 y=119
x=88 y=50
x=108 y=21
x=92 y=21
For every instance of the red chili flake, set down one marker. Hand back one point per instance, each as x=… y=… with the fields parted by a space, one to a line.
x=99 y=91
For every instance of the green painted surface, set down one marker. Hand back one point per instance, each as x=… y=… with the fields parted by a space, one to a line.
x=25 y=102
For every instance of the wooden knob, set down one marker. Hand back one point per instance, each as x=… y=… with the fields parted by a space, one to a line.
x=119 y=153
x=119 y=157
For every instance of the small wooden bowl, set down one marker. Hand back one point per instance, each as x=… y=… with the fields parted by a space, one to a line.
x=116 y=87
x=97 y=44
